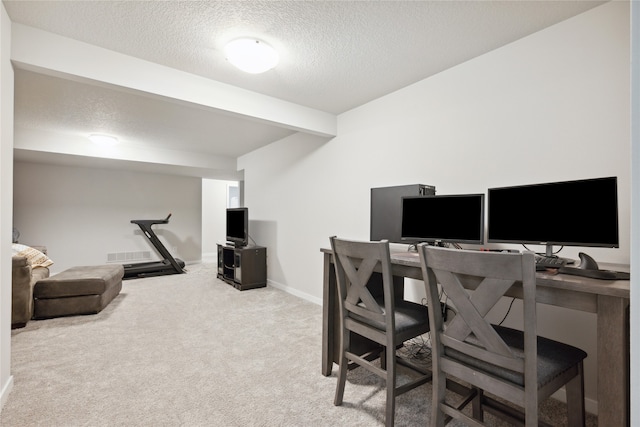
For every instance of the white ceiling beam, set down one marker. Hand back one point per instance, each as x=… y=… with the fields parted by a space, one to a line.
x=36 y=140
x=48 y=53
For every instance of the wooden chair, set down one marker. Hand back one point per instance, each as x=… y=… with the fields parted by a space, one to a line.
x=517 y=366
x=382 y=320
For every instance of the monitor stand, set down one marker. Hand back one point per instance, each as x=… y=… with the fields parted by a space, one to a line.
x=549 y=254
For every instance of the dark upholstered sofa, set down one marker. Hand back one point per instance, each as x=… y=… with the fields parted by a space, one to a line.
x=23 y=279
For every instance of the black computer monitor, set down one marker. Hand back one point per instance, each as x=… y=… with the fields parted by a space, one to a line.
x=443 y=218
x=571 y=213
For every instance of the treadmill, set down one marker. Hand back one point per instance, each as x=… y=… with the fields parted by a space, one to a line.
x=169 y=265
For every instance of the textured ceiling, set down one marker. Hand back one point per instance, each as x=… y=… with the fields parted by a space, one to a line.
x=168 y=124
x=335 y=55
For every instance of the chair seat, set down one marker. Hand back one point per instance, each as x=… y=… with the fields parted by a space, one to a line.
x=554 y=357
x=410 y=318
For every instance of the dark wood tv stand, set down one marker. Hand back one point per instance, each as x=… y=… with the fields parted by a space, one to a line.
x=243 y=267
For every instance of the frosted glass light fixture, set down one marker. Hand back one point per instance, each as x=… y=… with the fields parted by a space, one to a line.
x=251 y=55
x=103 y=140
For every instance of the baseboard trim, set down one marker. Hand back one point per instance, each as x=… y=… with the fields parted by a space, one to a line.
x=6 y=390
x=292 y=291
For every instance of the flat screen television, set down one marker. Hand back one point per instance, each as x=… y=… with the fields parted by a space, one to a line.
x=443 y=218
x=238 y=226
x=568 y=213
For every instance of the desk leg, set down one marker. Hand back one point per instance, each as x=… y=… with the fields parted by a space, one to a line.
x=329 y=308
x=613 y=361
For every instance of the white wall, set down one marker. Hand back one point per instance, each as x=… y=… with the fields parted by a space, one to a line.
x=635 y=208
x=551 y=106
x=82 y=214
x=214 y=207
x=6 y=188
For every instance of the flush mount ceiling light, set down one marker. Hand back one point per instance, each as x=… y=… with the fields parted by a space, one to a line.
x=103 y=140
x=251 y=55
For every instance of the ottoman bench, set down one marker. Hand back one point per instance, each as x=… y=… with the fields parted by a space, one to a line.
x=78 y=290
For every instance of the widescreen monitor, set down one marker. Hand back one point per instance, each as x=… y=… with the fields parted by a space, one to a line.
x=444 y=218
x=567 y=213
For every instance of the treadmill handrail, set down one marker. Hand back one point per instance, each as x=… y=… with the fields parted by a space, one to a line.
x=151 y=221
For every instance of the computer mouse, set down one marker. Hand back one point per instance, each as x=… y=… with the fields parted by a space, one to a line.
x=587 y=263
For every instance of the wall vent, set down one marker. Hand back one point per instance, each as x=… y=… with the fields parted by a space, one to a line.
x=125 y=257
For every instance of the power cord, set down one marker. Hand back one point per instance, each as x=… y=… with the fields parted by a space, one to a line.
x=418 y=348
x=507 y=313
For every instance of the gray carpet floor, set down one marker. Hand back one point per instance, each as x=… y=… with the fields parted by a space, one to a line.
x=190 y=350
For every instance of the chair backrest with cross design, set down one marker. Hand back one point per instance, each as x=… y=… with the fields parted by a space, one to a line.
x=495 y=359
x=384 y=320
x=357 y=300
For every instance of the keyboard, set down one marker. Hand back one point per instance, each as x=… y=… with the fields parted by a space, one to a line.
x=543 y=262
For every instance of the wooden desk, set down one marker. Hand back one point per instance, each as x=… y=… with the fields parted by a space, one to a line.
x=609 y=299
